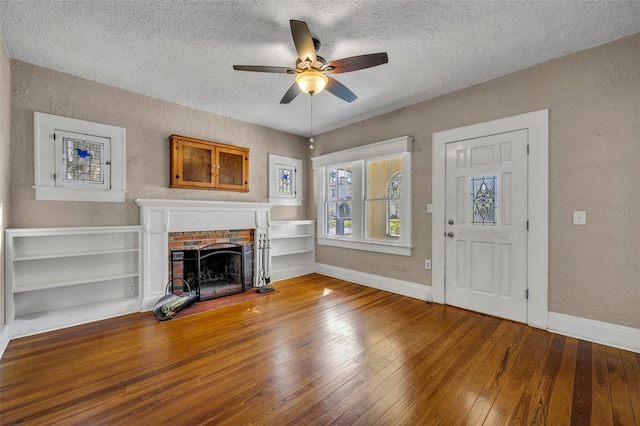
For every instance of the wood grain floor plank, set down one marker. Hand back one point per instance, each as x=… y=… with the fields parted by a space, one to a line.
x=561 y=397
x=515 y=399
x=488 y=377
x=620 y=396
x=318 y=351
x=540 y=402
x=582 y=390
x=632 y=372
x=601 y=413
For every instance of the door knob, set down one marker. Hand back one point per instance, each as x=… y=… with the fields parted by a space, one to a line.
x=450 y=234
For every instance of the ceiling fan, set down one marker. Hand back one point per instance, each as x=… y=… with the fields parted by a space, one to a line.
x=311 y=70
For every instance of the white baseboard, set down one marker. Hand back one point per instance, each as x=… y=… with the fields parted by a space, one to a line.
x=4 y=339
x=617 y=336
x=405 y=288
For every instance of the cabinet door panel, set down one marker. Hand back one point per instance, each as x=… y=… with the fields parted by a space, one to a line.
x=196 y=164
x=232 y=172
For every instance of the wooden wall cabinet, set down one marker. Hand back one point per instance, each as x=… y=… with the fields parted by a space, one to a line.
x=200 y=164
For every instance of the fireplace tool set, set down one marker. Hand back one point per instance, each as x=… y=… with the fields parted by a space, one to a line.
x=263 y=276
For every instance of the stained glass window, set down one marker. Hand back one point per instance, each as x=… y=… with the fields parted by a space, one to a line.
x=83 y=161
x=483 y=200
x=285 y=184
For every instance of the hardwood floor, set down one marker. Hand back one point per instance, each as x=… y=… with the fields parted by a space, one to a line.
x=318 y=351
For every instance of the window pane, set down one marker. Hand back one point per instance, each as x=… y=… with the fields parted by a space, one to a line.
x=483 y=200
x=339 y=218
x=83 y=161
x=285 y=176
x=383 y=220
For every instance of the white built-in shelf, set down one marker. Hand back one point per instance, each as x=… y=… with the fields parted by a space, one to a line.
x=291 y=252
x=292 y=248
x=60 y=277
x=71 y=254
x=59 y=284
x=38 y=322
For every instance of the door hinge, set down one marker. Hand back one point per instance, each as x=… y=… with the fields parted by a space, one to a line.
x=527 y=225
x=527 y=149
x=54 y=136
x=527 y=293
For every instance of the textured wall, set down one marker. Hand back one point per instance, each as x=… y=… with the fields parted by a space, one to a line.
x=5 y=139
x=149 y=122
x=594 y=102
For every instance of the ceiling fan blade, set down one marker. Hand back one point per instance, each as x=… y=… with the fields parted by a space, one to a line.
x=259 y=68
x=355 y=63
x=293 y=91
x=303 y=40
x=340 y=90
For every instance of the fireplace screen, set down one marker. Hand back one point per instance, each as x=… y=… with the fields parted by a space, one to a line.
x=215 y=270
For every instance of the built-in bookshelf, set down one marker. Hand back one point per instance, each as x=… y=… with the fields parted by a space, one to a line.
x=292 y=248
x=60 y=277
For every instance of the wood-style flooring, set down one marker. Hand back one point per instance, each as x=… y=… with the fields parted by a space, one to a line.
x=318 y=351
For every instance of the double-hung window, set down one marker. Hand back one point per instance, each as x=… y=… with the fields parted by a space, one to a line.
x=364 y=197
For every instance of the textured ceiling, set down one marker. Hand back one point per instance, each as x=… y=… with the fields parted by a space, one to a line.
x=183 y=51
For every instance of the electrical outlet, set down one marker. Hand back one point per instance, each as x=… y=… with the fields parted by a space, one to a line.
x=132 y=288
x=427 y=264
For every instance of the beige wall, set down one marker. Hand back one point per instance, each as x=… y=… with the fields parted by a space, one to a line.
x=5 y=139
x=148 y=122
x=594 y=102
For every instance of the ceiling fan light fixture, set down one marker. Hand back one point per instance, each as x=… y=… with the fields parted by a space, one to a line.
x=311 y=82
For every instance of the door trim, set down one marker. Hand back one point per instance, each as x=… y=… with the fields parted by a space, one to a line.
x=537 y=125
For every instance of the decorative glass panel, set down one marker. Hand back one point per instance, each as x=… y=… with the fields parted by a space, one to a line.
x=483 y=200
x=285 y=185
x=82 y=161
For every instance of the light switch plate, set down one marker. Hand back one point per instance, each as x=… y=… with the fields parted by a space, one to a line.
x=429 y=208
x=580 y=217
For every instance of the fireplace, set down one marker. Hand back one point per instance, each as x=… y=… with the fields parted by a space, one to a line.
x=212 y=271
x=160 y=218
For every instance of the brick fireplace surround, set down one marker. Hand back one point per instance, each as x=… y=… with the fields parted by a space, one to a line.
x=160 y=218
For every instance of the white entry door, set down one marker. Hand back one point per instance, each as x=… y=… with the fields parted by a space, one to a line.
x=486 y=225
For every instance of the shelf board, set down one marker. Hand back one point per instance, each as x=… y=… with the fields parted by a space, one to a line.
x=38 y=322
x=72 y=254
x=292 y=252
x=285 y=237
x=58 y=284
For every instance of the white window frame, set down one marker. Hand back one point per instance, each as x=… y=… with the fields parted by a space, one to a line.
x=356 y=157
x=47 y=128
x=276 y=161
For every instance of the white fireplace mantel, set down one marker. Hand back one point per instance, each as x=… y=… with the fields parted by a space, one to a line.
x=159 y=217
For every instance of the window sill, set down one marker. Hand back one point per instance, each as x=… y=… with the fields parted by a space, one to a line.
x=367 y=246
x=65 y=194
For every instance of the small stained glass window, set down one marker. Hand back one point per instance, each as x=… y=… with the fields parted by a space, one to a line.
x=483 y=200
x=285 y=184
x=285 y=180
x=83 y=161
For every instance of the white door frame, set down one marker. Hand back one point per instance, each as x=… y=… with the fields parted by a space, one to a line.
x=537 y=125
